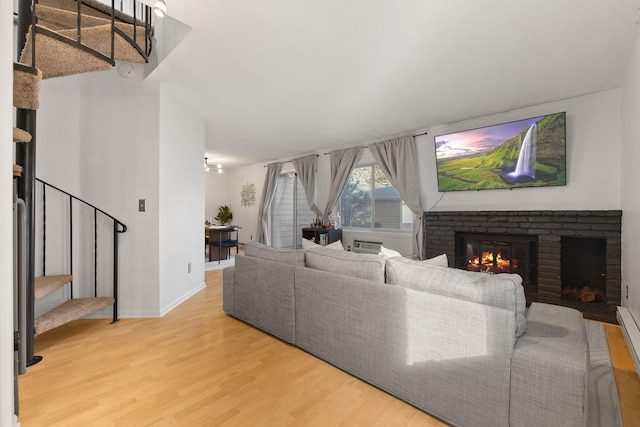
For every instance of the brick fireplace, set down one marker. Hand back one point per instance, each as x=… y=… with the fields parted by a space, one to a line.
x=570 y=258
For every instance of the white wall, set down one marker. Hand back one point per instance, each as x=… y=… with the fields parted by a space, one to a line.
x=6 y=215
x=181 y=201
x=245 y=216
x=630 y=184
x=216 y=194
x=593 y=161
x=98 y=138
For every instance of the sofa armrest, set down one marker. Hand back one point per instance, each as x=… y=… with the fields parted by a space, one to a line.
x=228 y=289
x=549 y=369
x=263 y=295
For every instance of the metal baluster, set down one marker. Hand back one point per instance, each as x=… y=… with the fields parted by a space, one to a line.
x=95 y=252
x=113 y=28
x=79 y=22
x=135 y=24
x=44 y=230
x=115 y=271
x=71 y=244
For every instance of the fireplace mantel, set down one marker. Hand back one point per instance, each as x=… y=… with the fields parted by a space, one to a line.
x=549 y=227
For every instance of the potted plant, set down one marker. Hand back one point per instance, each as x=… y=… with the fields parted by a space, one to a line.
x=224 y=214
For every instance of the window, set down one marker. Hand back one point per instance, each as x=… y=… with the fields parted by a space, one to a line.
x=289 y=213
x=369 y=201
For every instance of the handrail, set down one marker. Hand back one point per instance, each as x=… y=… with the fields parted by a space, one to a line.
x=121 y=16
x=118 y=228
x=124 y=227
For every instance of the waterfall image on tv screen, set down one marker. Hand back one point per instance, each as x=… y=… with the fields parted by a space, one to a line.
x=524 y=153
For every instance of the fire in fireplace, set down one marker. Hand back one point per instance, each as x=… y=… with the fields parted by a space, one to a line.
x=499 y=254
x=556 y=271
x=493 y=260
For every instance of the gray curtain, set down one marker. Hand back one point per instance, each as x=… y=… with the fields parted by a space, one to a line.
x=263 y=233
x=398 y=160
x=342 y=163
x=307 y=170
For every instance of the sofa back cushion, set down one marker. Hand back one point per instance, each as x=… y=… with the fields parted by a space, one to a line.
x=363 y=266
x=498 y=290
x=286 y=256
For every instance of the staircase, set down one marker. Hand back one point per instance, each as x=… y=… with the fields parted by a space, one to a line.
x=62 y=38
x=72 y=309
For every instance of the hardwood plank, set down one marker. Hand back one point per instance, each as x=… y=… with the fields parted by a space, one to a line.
x=627 y=380
x=199 y=367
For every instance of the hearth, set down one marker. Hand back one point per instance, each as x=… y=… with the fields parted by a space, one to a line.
x=570 y=258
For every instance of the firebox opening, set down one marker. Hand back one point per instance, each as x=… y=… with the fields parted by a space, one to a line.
x=500 y=253
x=584 y=269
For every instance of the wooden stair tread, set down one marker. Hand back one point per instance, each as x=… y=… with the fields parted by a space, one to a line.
x=17 y=171
x=44 y=285
x=20 y=135
x=68 y=311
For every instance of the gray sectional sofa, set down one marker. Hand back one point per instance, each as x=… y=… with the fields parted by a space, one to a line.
x=461 y=346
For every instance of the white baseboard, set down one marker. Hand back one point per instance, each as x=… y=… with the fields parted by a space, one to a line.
x=182 y=299
x=631 y=333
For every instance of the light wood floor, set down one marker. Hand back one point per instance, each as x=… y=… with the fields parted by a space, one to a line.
x=198 y=367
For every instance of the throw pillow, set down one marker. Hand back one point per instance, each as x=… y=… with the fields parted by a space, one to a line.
x=440 y=260
x=388 y=253
x=308 y=244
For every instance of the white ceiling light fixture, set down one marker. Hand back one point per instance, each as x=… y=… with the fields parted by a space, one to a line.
x=160 y=8
x=207 y=168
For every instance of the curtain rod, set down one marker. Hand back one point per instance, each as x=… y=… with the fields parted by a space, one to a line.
x=367 y=146
x=287 y=161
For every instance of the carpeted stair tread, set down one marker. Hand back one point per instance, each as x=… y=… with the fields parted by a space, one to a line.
x=17 y=171
x=91 y=8
x=26 y=88
x=56 y=58
x=44 y=285
x=70 y=310
x=20 y=135
x=60 y=19
x=99 y=39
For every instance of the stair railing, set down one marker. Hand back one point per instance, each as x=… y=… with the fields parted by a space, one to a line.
x=121 y=15
x=118 y=228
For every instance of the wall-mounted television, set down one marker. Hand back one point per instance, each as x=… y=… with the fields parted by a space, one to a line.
x=524 y=153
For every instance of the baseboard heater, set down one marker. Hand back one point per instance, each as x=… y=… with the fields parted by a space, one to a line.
x=364 y=247
x=631 y=333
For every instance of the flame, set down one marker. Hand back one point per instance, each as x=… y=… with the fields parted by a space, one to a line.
x=487 y=261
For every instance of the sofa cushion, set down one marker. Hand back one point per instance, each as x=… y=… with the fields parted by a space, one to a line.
x=286 y=256
x=550 y=370
x=499 y=290
x=364 y=266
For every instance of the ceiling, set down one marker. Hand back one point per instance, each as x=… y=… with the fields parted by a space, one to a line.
x=281 y=78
